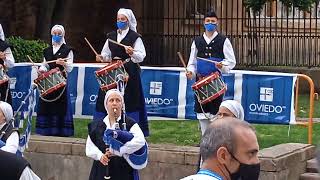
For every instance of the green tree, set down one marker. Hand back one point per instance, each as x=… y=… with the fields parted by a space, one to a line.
x=22 y=48
x=257 y=5
x=254 y=7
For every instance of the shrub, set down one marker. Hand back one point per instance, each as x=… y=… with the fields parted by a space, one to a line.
x=22 y=48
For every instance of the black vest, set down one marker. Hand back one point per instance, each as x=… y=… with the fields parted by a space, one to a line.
x=129 y=40
x=213 y=49
x=61 y=53
x=118 y=166
x=13 y=166
x=3 y=46
x=8 y=132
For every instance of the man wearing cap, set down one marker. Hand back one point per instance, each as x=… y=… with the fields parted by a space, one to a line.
x=117 y=162
x=215 y=47
x=133 y=53
x=10 y=139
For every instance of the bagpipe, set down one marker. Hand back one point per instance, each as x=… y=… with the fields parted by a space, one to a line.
x=117 y=138
x=18 y=123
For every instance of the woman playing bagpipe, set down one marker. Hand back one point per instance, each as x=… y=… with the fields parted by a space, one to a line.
x=6 y=61
x=54 y=115
x=117 y=143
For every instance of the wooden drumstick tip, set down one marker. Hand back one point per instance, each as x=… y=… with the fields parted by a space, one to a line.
x=91 y=47
x=182 y=61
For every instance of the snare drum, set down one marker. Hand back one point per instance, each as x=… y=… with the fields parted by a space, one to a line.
x=50 y=81
x=3 y=76
x=107 y=76
x=209 y=88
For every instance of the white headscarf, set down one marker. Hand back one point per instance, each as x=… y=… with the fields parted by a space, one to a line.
x=109 y=92
x=61 y=28
x=7 y=110
x=2 y=37
x=131 y=18
x=235 y=107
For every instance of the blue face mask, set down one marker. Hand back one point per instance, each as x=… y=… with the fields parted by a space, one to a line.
x=122 y=25
x=56 y=38
x=210 y=27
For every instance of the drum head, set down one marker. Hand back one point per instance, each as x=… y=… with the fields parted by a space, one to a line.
x=50 y=81
x=209 y=88
x=108 y=76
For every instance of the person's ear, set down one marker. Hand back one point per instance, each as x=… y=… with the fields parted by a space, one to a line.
x=223 y=155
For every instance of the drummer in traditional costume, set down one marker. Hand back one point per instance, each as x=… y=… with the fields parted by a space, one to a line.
x=6 y=61
x=54 y=115
x=134 y=53
x=9 y=141
x=211 y=46
x=117 y=157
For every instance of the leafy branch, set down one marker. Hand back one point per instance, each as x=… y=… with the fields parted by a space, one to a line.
x=257 y=5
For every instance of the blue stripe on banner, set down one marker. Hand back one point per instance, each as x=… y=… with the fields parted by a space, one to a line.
x=72 y=86
x=161 y=92
x=190 y=114
x=267 y=99
x=20 y=78
x=91 y=87
x=229 y=81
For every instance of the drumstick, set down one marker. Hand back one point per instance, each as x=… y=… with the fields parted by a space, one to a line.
x=182 y=61
x=115 y=42
x=38 y=71
x=64 y=59
x=94 y=51
x=31 y=60
x=208 y=60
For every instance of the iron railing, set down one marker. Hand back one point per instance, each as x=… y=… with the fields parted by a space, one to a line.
x=278 y=36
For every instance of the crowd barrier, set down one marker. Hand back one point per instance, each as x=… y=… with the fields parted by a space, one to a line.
x=267 y=97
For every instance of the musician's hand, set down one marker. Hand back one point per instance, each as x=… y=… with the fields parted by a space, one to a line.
x=219 y=65
x=126 y=78
x=40 y=71
x=2 y=55
x=99 y=58
x=60 y=61
x=109 y=153
x=104 y=159
x=189 y=74
x=129 y=50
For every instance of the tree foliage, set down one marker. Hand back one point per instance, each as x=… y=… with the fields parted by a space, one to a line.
x=257 y=5
x=22 y=48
